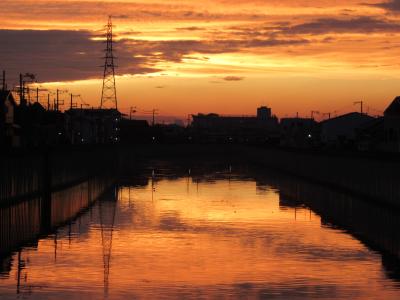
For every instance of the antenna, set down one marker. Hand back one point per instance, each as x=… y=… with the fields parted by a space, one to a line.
x=327 y=114
x=132 y=111
x=109 y=92
x=361 y=103
x=314 y=112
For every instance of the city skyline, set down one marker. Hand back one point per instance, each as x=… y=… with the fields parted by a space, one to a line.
x=214 y=56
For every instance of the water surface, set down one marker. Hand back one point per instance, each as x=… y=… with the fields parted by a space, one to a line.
x=219 y=234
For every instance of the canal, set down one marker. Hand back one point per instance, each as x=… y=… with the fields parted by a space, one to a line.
x=217 y=231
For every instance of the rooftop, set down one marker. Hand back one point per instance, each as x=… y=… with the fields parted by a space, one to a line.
x=394 y=108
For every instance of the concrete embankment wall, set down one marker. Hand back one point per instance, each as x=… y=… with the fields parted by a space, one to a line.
x=24 y=222
x=32 y=174
x=374 y=178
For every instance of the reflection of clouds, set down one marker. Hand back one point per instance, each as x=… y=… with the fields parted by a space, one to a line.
x=298 y=288
x=276 y=239
x=171 y=221
x=185 y=244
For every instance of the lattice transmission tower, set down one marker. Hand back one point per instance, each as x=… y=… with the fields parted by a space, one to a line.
x=109 y=92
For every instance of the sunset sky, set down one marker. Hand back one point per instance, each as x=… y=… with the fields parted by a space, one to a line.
x=184 y=57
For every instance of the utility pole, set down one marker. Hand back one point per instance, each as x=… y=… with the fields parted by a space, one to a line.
x=57 y=99
x=28 y=92
x=30 y=78
x=72 y=104
x=327 y=114
x=38 y=90
x=361 y=103
x=131 y=111
x=4 y=80
x=48 y=102
x=154 y=116
x=314 y=112
x=188 y=120
x=21 y=91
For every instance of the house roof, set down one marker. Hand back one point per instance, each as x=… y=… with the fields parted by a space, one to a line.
x=93 y=113
x=394 y=108
x=4 y=94
x=348 y=115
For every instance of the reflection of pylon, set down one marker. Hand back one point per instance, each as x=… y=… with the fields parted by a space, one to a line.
x=107 y=217
x=109 y=92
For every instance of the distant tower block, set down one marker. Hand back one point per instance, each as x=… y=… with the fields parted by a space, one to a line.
x=109 y=92
x=264 y=113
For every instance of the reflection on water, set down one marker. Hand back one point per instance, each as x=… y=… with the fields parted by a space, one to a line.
x=200 y=234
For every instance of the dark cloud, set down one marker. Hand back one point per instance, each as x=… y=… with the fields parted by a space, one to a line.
x=233 y=78
x=120 y=16
x=62 y=55
x=73 y=55
x=190 y=28
x=93 y=10
x=268 y=34
x=175 y=51
x=392 y=5
x=353 y=25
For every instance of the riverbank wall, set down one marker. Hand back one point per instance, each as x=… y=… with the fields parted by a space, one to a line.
x=33 y=174
x=374 y=178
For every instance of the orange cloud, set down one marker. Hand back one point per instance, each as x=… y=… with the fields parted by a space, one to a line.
x=292 y=41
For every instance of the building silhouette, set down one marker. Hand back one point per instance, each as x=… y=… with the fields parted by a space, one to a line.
x=213 y=127
x=92 y=126
x=343 y=130
x=8 y=126
x=298 y=132
x=391 y=126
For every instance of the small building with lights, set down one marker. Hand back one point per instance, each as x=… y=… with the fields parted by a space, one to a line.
x=92 y=126
x=298 y=132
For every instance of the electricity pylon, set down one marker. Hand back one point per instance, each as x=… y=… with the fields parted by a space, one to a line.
x=109 y=92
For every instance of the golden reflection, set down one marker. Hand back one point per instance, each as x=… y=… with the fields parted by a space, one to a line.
x=176 y=236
